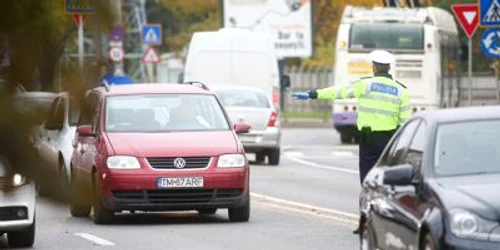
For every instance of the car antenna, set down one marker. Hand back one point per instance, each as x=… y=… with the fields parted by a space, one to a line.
x=199 y=84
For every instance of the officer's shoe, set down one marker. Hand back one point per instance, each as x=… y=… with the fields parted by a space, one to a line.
x=356 y=231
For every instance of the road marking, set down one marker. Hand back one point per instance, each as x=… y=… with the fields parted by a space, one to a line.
x=95 y=239
x=307 y=209
x=315 y=165
x=342 y=153
x=294 y=154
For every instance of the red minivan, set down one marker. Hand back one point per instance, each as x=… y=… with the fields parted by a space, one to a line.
x=157 y=147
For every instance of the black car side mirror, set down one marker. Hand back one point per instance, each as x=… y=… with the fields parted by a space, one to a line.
x=399 y=175
x=285 y=81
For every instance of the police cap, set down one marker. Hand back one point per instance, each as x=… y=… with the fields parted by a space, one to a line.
x=381 y=57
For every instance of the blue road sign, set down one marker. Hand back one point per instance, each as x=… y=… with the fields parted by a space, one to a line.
x=490 y=43
x=489 y=12
x=79 y=6
x=151 y=34
x=116 y=34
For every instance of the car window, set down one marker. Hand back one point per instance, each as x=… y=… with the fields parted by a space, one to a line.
x=164 y=113
x=243 y=98
x=415 y=151
x=395 y=155
x=467 y=148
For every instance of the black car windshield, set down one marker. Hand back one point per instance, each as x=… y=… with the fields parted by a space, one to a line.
x=243 y=98
x=164 y=113
x=468 y=148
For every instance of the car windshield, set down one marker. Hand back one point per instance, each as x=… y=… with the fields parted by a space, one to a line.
x=391 y=36
x=243 y=98
x=468 y=148
x=164 y=113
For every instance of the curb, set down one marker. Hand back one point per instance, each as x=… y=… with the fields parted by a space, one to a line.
x=338 y=215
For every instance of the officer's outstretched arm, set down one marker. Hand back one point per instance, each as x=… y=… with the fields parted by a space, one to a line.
x=404 y=108
x=345 y=91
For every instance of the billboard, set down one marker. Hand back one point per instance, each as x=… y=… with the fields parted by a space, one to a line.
x=288 y=22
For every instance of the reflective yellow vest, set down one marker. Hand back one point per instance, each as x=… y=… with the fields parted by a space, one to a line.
x=383 y=103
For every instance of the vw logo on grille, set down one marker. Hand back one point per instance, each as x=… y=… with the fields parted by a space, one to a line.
x=179 y=163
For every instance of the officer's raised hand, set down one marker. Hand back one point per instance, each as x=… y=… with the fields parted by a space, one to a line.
x=301 y=95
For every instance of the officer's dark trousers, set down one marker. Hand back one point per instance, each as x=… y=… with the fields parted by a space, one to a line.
x=371 y=145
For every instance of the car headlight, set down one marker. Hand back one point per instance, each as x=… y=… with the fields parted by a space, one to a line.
x=123 y=162
x=232 y=161
x=465 y=224
x=18 y=180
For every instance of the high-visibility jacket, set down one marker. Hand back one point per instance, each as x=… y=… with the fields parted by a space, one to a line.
x=383 y=103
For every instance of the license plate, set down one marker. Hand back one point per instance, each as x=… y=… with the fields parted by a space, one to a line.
x=188 y=182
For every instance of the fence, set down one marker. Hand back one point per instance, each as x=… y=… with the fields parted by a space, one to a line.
x=485 y=91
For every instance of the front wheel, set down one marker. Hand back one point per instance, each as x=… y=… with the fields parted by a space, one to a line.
x=23 y=239
x=78 y=205
x=101 y=214
x=240 y=214
x=345 y=137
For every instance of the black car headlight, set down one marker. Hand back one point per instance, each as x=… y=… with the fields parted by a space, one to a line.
x=465 y=224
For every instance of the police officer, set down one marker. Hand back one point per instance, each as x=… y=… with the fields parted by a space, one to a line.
x=383 y=105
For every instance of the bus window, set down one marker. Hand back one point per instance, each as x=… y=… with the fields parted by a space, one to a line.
x=390 y=36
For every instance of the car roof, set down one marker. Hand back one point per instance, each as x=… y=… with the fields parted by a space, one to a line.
x=461 y=114
x=154 y=88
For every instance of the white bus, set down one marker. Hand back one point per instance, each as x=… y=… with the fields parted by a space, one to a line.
x=426 y=47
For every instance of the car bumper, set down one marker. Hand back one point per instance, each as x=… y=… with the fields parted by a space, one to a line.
x=22 y=198
x=229 y=188
x=455 y=243
x=256 y=141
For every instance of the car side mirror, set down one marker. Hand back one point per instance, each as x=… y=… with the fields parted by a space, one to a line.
x=85 y=130
x=241 y=128
x=285 y=81
x=399 y=175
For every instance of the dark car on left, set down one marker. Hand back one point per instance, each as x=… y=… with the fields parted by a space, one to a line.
x=436 y=185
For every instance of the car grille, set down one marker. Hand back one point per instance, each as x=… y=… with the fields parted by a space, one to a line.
x=13 y=213
x=177 y=196
x=168 y=162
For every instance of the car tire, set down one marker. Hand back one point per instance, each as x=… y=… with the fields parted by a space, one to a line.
x=207 y=211
x=240 y=214
x=345 y=138
x=260 y=157
x=23 y=239
x=77 y=207
x=101 y=214
x=274 y=157
x=428 y=243
x=366 y=238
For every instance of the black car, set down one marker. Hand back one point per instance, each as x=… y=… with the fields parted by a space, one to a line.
x=437 y=184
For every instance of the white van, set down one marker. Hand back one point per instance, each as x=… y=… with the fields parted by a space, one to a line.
x=233 y=57
x=238 y=63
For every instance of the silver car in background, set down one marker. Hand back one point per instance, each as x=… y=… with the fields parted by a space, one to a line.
x=254 y=107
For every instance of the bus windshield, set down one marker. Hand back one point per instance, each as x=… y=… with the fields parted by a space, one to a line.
x=389 y=36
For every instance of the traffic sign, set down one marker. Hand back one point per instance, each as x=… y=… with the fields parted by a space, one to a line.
x=490 y=43
x=116 y=44
x=467 y=15
x=489 y=12
x=76 y=19
x=151 y=34
x=79 y=6
x=151 y=56
x=116 y=54
x=116 y=34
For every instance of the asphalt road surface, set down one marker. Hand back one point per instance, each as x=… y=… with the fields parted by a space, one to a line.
x=309 y=201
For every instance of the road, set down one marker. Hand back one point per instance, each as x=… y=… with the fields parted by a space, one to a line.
x=309 y=201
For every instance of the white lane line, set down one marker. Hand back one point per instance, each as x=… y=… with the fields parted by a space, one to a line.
x=95 y=239
x=342 y=153
x=307 y=209
x=315 y=165
x=294 y=154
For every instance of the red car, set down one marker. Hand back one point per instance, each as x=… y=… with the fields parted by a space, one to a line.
x=157 y=147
